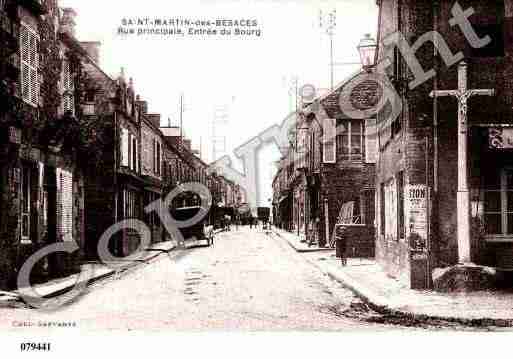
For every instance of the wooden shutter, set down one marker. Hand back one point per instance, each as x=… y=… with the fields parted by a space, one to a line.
x=371 y=141
x=329 y=141
x=135 y=154
x=67 y=87
x=29 y=49
x=65 y=204
x=129 y=150
x=159 y=162
x=124 y=147
x=25 y=60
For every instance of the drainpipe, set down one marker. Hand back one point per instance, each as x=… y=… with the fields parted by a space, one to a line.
x=433 y=209
x=435 y=104
x=115 y=178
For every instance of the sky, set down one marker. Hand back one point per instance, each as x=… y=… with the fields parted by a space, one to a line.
x=246 y=80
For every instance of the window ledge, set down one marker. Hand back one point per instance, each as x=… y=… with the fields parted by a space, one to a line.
x=499 y=238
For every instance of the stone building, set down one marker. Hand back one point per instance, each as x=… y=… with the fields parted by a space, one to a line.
x=326 y=178
x=152 y=169
x=338 y=165
x=125 y=174
x=41 y=181
x=428 y=216
x=282 y=195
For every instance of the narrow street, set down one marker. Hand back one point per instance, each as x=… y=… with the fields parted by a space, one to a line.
x=248 y=280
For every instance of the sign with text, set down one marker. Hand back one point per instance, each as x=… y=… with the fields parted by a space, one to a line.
x=500 y=138
x=416 y=215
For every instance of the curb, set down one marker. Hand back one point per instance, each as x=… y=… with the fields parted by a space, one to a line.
x=381 y=305
x=300 y=250
x=9 y=298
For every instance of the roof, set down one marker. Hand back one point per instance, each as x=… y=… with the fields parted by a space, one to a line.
x=362 y=96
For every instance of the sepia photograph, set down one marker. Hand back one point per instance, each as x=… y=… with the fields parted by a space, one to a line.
x=262 y=174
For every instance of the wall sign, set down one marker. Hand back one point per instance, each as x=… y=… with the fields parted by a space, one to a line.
x=500 y=138
x=416 y=215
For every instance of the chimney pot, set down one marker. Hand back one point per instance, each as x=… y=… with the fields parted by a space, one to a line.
x=67 y=21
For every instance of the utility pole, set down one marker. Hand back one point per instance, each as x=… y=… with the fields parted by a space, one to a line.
x=329 y=22
x=219 y=136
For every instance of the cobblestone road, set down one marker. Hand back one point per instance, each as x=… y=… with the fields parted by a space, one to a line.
x=247 y=281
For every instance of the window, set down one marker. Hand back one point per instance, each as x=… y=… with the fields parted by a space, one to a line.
x=134 y=153
x=129 y=150
x=496 y=46
x=67 y=88
x=498 y=202
x=311 y=153
x=382 y=208
x=29 y=44
x=400 y=205
x=154 y=156
x=349 y=141
x=90 y=95
x=158 y=158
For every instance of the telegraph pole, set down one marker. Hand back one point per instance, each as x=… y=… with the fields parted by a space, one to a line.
x=219 y=137
x=329 y=22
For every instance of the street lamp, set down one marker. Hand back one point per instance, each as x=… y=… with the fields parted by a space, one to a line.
x=367 y=50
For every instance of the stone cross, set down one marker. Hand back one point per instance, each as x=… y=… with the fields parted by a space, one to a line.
x=462 y=94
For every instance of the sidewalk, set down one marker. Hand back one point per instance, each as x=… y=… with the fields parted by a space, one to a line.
x=294 y=241
x=388 y=296
x=99 y=271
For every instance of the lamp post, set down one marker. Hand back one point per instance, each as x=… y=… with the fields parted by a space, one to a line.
x=367 y=50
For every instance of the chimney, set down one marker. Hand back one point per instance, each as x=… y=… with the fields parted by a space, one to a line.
x=67 y=22
x=143 y=105
x=93 y=50
x=154 y=119
x=121 y=77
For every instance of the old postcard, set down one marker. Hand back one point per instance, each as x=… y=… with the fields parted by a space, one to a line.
x=330 y=167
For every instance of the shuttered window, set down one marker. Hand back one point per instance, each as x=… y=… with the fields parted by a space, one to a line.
x=158 y=159
x=371 y=141
x=67 y=88
x=29 y=45
x=65 y=204
x=329 y=140
x=124 y=147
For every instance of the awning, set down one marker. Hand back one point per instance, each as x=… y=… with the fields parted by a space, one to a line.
x=282 y=198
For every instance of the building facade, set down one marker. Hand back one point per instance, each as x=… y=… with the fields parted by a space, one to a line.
x=42 y=177
x=422 y=162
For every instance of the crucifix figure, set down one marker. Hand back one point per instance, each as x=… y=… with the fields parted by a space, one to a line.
x=462 y=94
